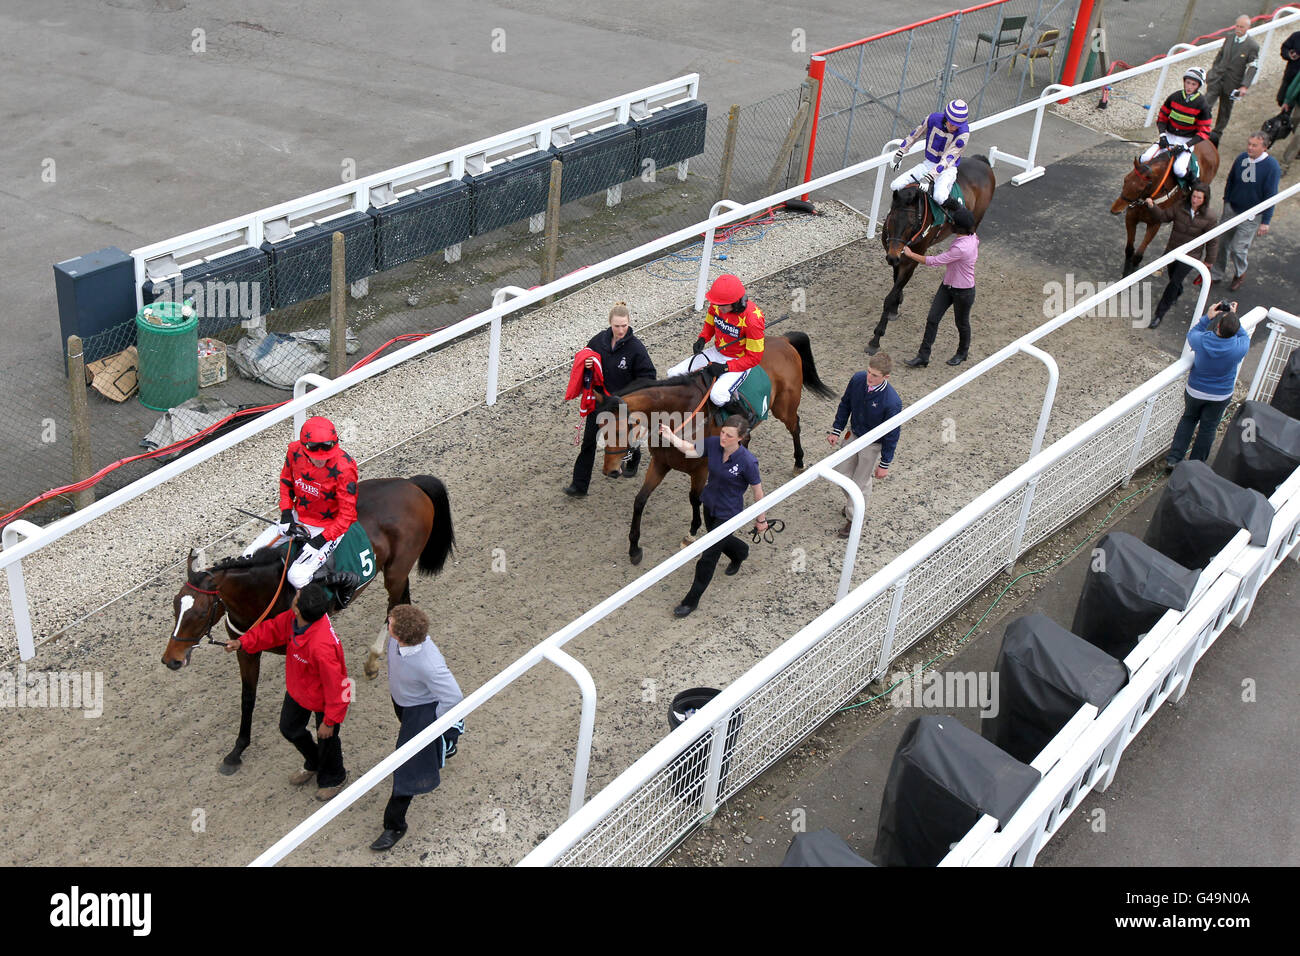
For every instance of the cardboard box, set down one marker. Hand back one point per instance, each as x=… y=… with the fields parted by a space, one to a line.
x=115 y=377
x=212 y=362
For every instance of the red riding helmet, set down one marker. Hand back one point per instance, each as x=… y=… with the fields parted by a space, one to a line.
x=320 y=431
x=726 y=290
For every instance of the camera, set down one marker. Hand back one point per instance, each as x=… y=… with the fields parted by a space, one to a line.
x=1223 y=307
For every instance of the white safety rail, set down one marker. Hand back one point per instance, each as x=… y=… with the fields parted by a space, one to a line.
x=164 y=260
x=993 y=541
x=642 y=814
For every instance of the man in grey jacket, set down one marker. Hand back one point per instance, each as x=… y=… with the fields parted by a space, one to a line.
x=1232 y=73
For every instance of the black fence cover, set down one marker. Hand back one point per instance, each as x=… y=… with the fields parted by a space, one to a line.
x=1129 y=586
x=1200 y=512
x=1261 y=448
x=1286 y=397
x=944 y=777
x=1045 y=674
x=822 y=848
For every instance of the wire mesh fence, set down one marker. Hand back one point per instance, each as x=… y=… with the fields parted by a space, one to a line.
x=261 y=318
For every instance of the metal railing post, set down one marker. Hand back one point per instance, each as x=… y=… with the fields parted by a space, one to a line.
x=855 y=528
x=853 y=107
x=311 y=379
x=494 y=339
x=586 y=726
x=18 y=588
x=1131 y=468
x=890 y=147
x=1049 y=395
x=902 y=83
x=713 y=771
x=891 y=626
x=706 y=255
x=948 y=64
x=1022 y=522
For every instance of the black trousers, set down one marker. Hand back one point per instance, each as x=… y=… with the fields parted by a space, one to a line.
x=395 y=812
x=586 y=455
x=731 y=546
x=323 y=756
x=1200 y=416
x=1177 y=273
x=961 y=301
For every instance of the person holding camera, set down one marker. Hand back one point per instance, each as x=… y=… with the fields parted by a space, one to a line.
x=1218 y=344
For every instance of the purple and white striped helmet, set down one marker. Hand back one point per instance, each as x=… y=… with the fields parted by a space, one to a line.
x=957 y=112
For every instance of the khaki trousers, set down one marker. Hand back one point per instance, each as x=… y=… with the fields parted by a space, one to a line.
x=859 y=469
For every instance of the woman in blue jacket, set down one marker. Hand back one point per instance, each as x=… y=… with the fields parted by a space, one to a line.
x=1218 y=344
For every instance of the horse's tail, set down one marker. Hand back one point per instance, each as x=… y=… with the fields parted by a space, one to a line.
x=442 y=538
x=810 y=380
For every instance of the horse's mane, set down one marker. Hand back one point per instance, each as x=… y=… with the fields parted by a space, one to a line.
x=259 y=558
x=642 y=384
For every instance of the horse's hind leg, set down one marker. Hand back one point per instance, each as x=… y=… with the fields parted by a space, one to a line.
x=250 y=665
x=375 y=652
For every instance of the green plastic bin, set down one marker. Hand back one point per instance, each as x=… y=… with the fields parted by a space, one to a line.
x=167 y=341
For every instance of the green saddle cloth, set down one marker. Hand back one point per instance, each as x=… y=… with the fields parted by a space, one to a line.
x=939 y=214
x=353 y=553
x=754 y=395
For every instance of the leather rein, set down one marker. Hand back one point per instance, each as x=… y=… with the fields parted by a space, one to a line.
x=219 y=606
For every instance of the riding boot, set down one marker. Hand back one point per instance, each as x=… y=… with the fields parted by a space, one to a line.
x=734 y=407
x=951 y=205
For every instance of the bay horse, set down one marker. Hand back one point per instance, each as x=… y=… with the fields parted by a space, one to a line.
x=909 y=222
x=1155 y=180
x=407 y=521
x=788 y=361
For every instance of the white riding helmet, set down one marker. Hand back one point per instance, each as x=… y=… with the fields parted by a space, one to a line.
x=1197 y=74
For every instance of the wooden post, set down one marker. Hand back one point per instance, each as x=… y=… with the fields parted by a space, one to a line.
x=787 y=147
x=552 y=226
x=809 y=96
x=729 y=151
x=81 y=468
x=338 y=308
x=1187 y=22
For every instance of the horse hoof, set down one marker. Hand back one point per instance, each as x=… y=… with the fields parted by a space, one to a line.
x=227 y=768
x=372 y=666
x=686 y=542
x=798 y=470
x=636 y=555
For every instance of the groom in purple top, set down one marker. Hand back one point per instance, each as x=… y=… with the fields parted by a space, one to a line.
x=957 y=290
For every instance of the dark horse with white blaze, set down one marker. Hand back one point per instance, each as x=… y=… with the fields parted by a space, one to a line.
x=408 y=521
x=910 y=223
x=788 y=361
x=1154 y=180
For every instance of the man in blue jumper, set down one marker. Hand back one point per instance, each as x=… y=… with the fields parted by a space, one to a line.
x=868 y=401
x=1218 y=344
x=1254 y=177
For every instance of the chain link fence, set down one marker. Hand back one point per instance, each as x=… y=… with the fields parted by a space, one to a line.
x=266 y=322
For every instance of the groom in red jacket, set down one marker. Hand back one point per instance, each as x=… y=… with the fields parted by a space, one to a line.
x=317 y=682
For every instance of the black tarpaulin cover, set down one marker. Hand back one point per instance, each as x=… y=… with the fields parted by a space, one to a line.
x=822 y=848
x=1045 y=674
x=1129 y=586
x=1261 y=448
x=1286 y=397
x=1200 y=512
x=943 y=778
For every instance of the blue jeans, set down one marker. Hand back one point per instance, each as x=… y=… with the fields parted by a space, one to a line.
x=1196 y=411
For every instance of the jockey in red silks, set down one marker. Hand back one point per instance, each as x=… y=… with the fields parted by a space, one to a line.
x=318 y=493
x=735 y=327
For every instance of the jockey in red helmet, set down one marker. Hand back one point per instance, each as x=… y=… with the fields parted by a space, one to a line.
x=318 y=492
x=735 y=327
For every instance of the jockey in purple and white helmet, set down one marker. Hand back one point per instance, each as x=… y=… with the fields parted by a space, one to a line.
x=946 y=135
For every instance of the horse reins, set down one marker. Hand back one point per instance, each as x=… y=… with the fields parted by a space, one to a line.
x=925 y=214
x=213 y=617
x=1160 y=185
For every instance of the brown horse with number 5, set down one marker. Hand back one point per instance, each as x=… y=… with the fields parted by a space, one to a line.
x=408 y=521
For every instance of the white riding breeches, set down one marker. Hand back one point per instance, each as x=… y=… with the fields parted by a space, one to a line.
x=943 y=183
x=726 y=384
x=309 y=562
x=1181 y=160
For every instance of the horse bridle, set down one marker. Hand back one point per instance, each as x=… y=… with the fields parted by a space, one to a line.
x=925 y=214
x=213 y=617
x=1152 y=195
